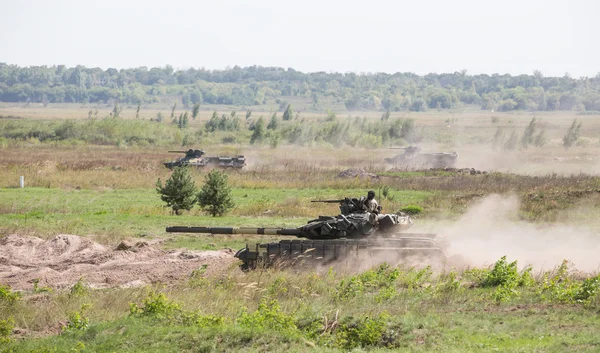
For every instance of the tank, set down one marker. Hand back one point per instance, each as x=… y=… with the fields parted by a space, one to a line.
x=353 y=233
x=413 y=158
x=195 y=158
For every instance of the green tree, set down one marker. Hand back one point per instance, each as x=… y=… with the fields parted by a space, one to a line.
x=173 y=110
x=183 y=121
x=527 y=138
x=116 y=112
x=540 y=139
x=511 y=143
x=137 y=111
x=289 y=113
x=195 y=111
x=572 y=135
x=179 y=191
x=498 y=138
x=212 y=124
x=248 y=114
x=385 y=116
x=259 y=131
x=273 y=123
x=215 y=195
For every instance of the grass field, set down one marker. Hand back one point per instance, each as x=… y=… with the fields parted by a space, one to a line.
x=107 y=194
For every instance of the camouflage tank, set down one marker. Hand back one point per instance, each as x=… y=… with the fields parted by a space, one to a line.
x=195 y=158
x=413 y=158
x=353 y=233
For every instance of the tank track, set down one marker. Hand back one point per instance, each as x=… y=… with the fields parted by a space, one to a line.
x=298 y=252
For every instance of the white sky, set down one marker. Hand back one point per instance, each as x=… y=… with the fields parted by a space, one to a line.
x=420 y=36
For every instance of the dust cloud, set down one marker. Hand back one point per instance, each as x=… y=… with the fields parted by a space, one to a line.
x=491 y=229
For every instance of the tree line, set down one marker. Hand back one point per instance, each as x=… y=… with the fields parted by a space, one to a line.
x=257 y=85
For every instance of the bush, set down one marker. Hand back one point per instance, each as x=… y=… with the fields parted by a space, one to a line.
x=267 y=316
x=155 y=305
x=366 y=331
x=6 y=329
x=7 y=295
x=412 y=210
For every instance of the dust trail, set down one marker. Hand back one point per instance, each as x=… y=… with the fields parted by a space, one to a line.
x=491 y=229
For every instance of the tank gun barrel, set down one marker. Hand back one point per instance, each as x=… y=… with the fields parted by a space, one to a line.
x=397 y=148
x=328 y=201
x=234 y=230
x=177 y=151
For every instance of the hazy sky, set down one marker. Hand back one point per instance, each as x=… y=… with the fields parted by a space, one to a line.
x=420 y=36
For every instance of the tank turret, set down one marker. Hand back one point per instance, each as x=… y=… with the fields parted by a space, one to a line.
x=328 y=238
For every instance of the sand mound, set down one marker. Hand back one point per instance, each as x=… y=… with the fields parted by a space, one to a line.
x=61 y=261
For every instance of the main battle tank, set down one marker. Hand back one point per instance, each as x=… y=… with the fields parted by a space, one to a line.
x=194 y=158
x=413 y=158
x=354 y=232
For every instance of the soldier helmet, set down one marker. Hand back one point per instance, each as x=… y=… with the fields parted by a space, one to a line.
x=371 y=194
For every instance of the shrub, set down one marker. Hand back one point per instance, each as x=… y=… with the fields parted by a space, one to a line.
x=366 y=331
x=40 y=289
x=7 y=295
x=589 y=288
x=77 y=320
x=79 y=289
x=6 y=329
x=267 y=316
x=412 y=210
x=155 y=305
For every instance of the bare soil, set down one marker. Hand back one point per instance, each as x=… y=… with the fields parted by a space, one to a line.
x=63 y=260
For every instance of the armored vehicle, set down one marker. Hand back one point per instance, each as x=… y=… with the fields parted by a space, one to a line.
x=413 y=158
x=195 y=158
x=351 y=234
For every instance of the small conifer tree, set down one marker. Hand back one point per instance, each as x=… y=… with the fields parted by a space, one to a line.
x=289 y=113
x=258 y=133
x=572 y=135
x=215 y=195
x=179 y=191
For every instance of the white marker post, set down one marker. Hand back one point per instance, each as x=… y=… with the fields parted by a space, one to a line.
x=22 y=181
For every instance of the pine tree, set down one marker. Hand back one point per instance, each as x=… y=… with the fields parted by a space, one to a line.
x=498 y=138
x=511 y=143
x=195 y=111
x=259 y=131
x=527 y=138
x=540 y=139
x=173 y=110
x=273 y=123
x=116 y=111
x=215 y=195
x=289 y=113
x=179 y=191
x=572 y=135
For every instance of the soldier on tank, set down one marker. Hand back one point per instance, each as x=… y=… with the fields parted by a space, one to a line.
x=370 y=204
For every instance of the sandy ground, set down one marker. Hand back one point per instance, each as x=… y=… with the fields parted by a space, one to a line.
x=63 y=260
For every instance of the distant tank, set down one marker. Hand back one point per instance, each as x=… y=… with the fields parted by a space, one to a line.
x=194 y=158
x=353 y=233
x=413 y=158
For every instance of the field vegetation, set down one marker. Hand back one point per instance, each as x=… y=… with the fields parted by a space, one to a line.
x=96 y=177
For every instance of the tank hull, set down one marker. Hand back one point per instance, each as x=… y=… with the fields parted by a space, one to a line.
x=214 y=162
x=326 y=252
